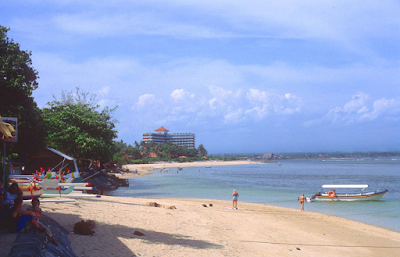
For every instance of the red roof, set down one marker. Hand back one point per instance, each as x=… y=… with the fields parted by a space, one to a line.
x=161 y=129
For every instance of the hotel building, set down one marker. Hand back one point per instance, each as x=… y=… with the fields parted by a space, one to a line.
x=161 y=136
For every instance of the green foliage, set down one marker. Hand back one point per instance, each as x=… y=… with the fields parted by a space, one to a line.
x=145 y=152
x=76 y=127
x=201 y=150
x=18 y=79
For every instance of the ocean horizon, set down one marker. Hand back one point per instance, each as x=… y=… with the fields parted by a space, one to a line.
x=281 y=183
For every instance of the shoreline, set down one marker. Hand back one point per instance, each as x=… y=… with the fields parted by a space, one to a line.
x=145 y=169
x=194 y=230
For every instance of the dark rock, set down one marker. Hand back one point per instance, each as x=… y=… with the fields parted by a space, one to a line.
x=104 y=182
x=84 y=227
x=36 y=244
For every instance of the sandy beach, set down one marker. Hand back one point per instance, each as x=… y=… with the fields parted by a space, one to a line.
x=194 y=230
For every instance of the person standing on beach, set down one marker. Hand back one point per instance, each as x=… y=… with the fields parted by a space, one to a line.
x=235 y=196
x=301 y=199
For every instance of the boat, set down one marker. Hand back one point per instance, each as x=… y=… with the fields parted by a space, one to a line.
x=52 y=181
x=208 y=166
x=332 y=195
x=31 y=193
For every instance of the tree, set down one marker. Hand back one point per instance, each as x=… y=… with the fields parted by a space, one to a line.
x=77 y=128
x=18 y=79
x=202 y=151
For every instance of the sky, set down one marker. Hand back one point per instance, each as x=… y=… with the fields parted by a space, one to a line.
x=244 y=76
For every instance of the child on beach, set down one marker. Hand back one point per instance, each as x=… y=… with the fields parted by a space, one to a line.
x=36 y=209
x=17 y=218
x=235 y=196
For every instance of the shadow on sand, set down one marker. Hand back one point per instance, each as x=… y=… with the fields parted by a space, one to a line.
x=108 y=236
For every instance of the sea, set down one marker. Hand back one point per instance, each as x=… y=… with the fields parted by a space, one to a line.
x=281 y=183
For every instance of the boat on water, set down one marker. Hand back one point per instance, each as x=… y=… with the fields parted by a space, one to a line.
x=348 y=193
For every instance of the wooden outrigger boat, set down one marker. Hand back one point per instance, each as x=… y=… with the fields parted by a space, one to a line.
x=332 y=195
x=53 y=180
x=31 y=193
x=59 y=181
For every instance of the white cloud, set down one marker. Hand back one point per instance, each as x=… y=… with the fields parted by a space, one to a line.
x=234 y=116
x=147 y=101
x=384 y=107
x=181 y=94
x=267 y=103
x=104 y=91
x=350 y=112
x=357 y=110
x=223 y=98
x=356 y=104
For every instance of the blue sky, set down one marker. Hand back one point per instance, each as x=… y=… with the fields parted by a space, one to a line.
x=258 y=76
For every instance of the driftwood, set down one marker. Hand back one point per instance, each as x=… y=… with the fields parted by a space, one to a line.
x=138 y=233
x=154 y=204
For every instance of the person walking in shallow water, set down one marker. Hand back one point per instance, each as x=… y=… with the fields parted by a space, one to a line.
x=301 y=199
x=235 y=196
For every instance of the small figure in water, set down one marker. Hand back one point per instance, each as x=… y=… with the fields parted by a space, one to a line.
x=301 y=199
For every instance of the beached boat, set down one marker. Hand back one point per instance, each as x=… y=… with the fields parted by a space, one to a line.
x=31 y=193
x=348 y=194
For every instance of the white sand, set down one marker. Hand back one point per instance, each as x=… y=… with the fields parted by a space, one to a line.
x=194 y=230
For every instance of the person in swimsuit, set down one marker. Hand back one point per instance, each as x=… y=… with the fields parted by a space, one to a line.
x=36 y=209
x=301 y=199
x=17 y=217
x=235 y=196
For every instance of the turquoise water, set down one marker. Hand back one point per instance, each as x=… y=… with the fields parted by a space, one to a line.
x=280 y=185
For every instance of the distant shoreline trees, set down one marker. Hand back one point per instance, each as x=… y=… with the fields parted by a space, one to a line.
x=150 y=152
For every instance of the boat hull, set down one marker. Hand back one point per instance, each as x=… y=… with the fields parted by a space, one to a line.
x=29 y=195
x=63 y=190
x=369 y=196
